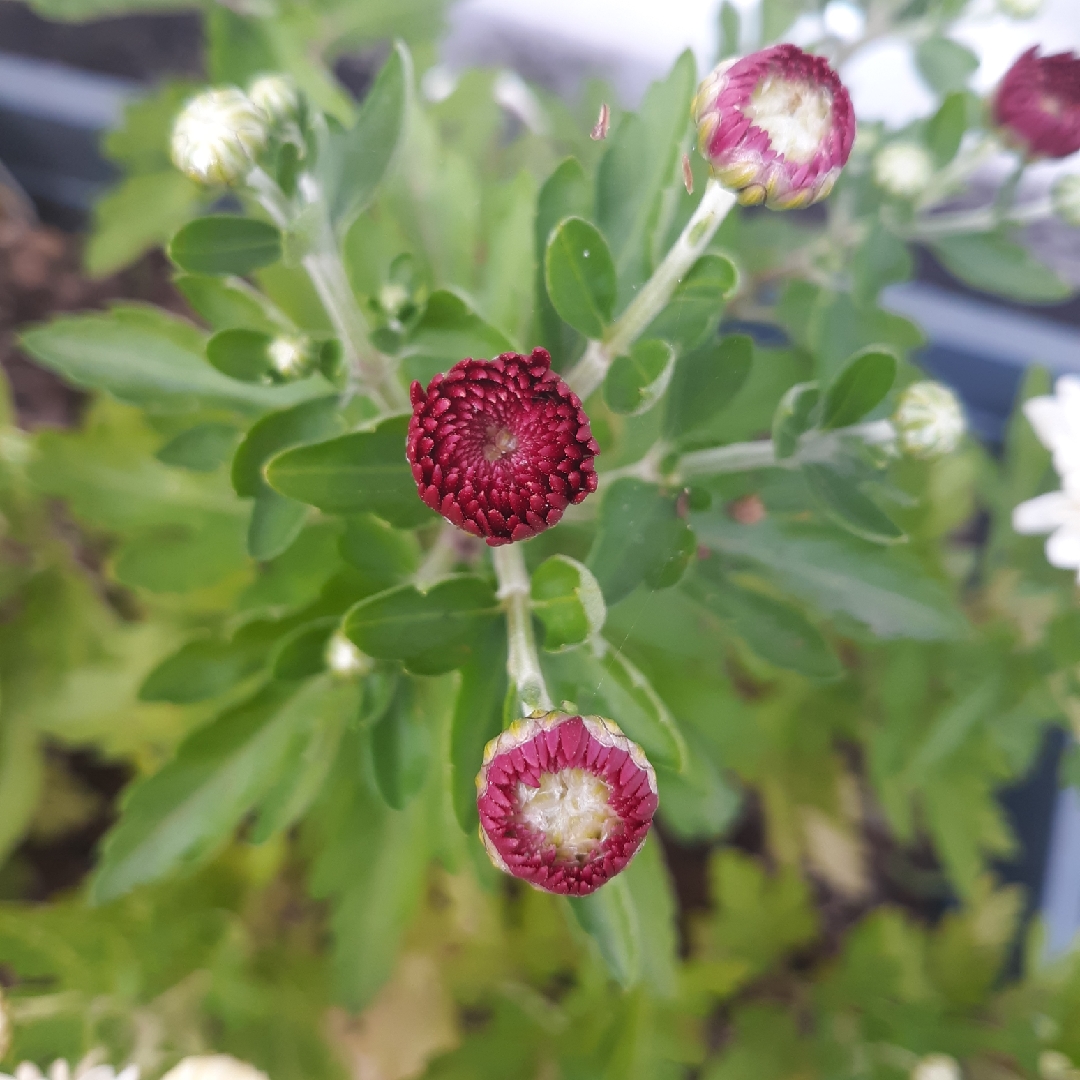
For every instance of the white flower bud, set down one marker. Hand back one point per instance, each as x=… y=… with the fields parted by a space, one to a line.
x=290 y=357
x=214 y=1067
x=344 y=659
x=928 y=421
x=1020 y=9
x=1054 y=1065
x=277 y=96
x=1065 y=199
x=936 y=1067
x=218 y=135
x=903 y=169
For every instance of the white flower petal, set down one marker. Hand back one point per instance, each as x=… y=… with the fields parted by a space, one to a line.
x=27 y=1070
x=1047 y=417
x=1063 y=548
x=1042 y=514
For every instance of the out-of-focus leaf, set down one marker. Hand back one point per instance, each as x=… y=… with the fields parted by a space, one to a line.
x=857 y=388
x=849 y=507
x=697 y=304
x=609 y=916
x=995 y=264
x=793 y=417
x=946 y=65
x=704 y=382
x=401 y=747
x=225 y=244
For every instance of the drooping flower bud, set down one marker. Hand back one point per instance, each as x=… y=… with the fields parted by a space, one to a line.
x=1020 y=9
x=291 y=357
x=565 y=801
x=214 y=1067
x=344 y=659
x=903 y=169
x=776 y=126
x=218 y=135
x=501 y=447
x=278 y=98
x=1037 y=104
x=929 y=421
x=936 y=1067
x=1065 y=199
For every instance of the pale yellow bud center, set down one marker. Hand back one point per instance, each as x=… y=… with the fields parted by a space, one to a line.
x=571 y=809
x=795 y=115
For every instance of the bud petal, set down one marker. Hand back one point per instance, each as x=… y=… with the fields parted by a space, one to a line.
x=501 y=447
x=903 y=169
x=278 y=98
x=1037 y=104
x=565 y=801
x=929 y=421
x=218 y=135
x=777 y=126
x=214 y=1067
x=936 y=1067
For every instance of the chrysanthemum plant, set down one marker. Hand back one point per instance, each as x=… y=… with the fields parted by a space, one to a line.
x=514 y=480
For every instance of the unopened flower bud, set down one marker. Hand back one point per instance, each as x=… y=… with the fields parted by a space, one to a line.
x=218 y=136
x=1020 y=9
x=903 y=169
x=1054 y=1065
x=501 y=447
x=393 y=299
x=565 y=801
x=290 y=357
x=1037 y=104
x=936 y=1067
x=776 y=126
x=929 y=421
x=1065 y=199
x=278 y=98
x=214 y=1067
x=344 y=659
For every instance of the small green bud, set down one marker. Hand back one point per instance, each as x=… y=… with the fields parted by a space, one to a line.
x=903 y=169
x=1020 y=9
x=936 y=1067
x=929 y=421
x=218 y=135
x=278 y=97
x=291 y=357
x=344 y=659
x=1065 y=198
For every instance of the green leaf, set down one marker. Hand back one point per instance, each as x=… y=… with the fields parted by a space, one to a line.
x=794 y=416
x=274 y=524
x=357 y=160
x=400 y=748
x=384 y=556
x=205 y=668
x=730 y=26
x=567 y=600
x=364 y=472
x=635 y=383
x=704 y=382
x=838 y=328
x=149 y=358
x=448 y=331
x=849 y=507
x=881 y=259
x=567 y=192
x=580 y=276
x=946 y=65
x=203 y=448
x=857 y=388
x=181 y=814
x=302 y=653
x=946 y=127
x=241 y=354
x=429 y=632
x=652 y=895
x=225 y=244
x=477 y=719
x=777 y=631
x=229 y=303
x=995 y=264
x=887 y=589
x=640 y=538
x=610 y=918
x=694 y=311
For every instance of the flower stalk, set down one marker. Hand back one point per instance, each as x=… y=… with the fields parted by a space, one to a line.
x=523 y=661
x=589 y=372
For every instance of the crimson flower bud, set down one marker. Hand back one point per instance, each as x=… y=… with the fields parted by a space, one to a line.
x=565 y=801
x=776 y=126
x=1037 y=104
x=501 y=447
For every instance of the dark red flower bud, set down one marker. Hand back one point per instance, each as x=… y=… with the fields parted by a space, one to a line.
x=1037 y=104
x=501 y=447
x=776 y=126
x=565 y=801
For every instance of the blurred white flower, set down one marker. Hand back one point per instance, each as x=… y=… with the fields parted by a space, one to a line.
x=1056 y=420
x=936 y=1067
x=90 y=1068
x=277 y=96
x=1056 y=513
x=218 y=135
x=214 y=1067
x=903 y=169
x=929 y=421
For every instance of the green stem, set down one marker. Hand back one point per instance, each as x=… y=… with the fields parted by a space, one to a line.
x=589 y=372
x=439 y=560
x=523 y=661
x=984 y=219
